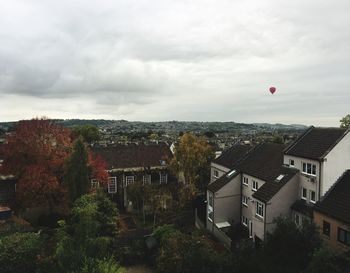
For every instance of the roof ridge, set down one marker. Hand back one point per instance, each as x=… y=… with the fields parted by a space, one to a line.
x=298 y=139
x=335 y=144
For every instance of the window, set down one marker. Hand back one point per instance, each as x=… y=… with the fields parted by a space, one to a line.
x=216 y=174
x=211 y=199
x=245 y=200
x=260 y=209
x=112 y=185
x=312 y=196
x=255 y=185
x=303 y=193
x=245 y=181
x=94 y=183
x=129 y=180
x=210 y=206
x=344 y=236
x=309 y=168
x=297 y=219
x=244 y=221
x=146 y=179
x=163 y=178
x=291 y=162
x=326 y=228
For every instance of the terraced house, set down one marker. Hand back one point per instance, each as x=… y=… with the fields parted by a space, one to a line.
x=135 y=163
x=272 y=180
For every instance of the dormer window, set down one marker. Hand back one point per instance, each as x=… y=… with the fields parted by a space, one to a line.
x=309 y=168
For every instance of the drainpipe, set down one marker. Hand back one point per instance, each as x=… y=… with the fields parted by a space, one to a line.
x=265 y=221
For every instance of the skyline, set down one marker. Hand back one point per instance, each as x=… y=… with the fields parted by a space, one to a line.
x=176 y=60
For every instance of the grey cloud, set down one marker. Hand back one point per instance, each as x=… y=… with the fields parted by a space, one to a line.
x=198 y=59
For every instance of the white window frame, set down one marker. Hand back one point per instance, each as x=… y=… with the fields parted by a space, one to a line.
x=259 y=206
x=146 y=179
x=312 y=200
x=255 y=185
x=306 y=166
x=163 y=178
x=216 y=173
x=302 y=193
x=245 y=181
x=245 y=200
x=112 y=185
x=290 y=162
x=95 y=184
x=210 y=205
x=129 y=179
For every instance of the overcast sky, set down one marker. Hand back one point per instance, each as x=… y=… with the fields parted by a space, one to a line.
x=205 y=60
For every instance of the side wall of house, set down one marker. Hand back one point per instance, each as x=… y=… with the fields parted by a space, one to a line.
x=309 y=182
x=336 y=162
x=226 y=205
x=227 y=202
x=332 y=240
x=280 y=204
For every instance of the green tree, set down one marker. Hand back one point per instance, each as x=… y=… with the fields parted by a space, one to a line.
x=77 y=171
x=324 y=261
x=286 y=241
x=88 y=234
x=90 y=133
x=182 y=253
x=345 y=122
x=192 y=159
x=19 y=252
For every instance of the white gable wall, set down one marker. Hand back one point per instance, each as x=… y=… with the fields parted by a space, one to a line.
x=336 y=162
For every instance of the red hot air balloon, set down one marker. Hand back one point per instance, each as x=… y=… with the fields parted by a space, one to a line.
x=272 y=90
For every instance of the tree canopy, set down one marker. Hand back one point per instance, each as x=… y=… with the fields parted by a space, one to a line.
x=90 y=133
x=192 y=158
x=345 y=122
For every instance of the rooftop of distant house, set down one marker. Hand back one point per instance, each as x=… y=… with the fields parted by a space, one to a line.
x=134 y=155
x=315 y=143
x=336 y=202
x=231 y=156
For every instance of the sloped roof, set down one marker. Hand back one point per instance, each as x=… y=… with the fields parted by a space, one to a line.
x=315 y=143
x=302 y=207
x=222 y=181
x=336 y=202
x=231 y=156
x=270 y=188
x=264 y=162
x=133 y=156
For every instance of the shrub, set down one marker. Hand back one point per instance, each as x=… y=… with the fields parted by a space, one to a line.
x=19 y=252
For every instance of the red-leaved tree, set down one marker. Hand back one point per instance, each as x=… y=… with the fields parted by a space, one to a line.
x=35 y=154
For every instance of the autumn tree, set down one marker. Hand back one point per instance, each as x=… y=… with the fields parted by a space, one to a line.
x=345 y=122
x=35 y=154
x=192 y=160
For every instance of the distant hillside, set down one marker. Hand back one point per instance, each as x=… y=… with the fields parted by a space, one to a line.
x=172 y=126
